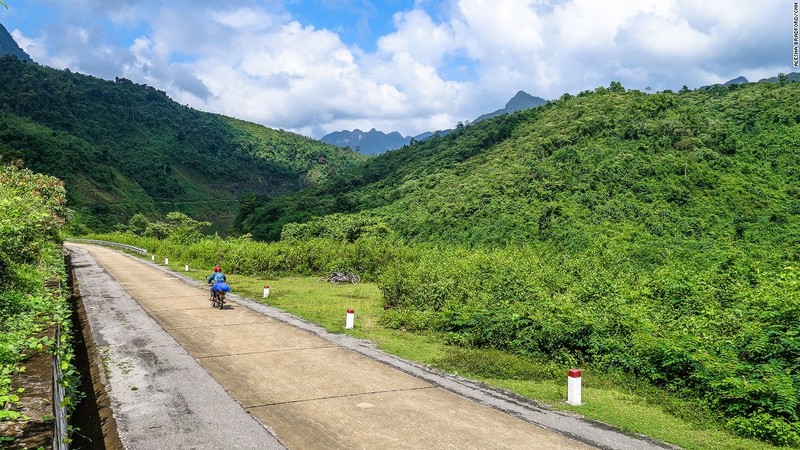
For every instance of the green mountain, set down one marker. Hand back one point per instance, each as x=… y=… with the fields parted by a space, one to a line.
x=683 y=170
x=124 y=148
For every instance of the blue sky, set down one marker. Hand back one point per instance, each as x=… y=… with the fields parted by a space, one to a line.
x=412 y=66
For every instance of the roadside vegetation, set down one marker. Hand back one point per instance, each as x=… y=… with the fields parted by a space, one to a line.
x=32 y=214
x=612 y=394
x=648 y=237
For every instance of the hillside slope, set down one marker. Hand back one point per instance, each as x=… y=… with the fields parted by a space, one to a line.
x=689 y=168
x=124 y=148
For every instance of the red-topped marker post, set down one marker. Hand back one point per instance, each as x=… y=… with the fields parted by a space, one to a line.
x=574 y=387
x=266 y=291
x=350 y=319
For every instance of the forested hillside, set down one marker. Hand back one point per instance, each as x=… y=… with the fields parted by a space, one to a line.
x=124 y=148
x=653 y=234
x=704 y=166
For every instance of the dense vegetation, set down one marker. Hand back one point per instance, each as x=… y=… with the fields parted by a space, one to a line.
x=32 y=213
x=124 y=148
x=656 y=235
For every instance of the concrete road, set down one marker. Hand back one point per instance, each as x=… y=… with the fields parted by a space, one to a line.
x=184 y=375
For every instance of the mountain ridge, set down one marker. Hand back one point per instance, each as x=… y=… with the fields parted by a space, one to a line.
x=384 y=182
x=123 y=148
x=375 y=142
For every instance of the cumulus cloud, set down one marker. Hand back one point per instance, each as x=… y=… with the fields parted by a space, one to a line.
x=440 y=63
x=419 y=36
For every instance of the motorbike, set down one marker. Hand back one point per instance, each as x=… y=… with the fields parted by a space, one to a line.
x=218 y=295
x=341 y=277
x=218 y=299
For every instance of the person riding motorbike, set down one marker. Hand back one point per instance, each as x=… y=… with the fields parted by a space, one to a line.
x=217 y=281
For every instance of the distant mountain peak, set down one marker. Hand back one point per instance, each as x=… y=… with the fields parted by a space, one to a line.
x=8 y=46
x=375 y=142
x=737 y=80
x=372 y=142
x=522 y=97
x=521 y=100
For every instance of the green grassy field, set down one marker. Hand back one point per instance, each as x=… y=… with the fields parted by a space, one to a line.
x=610 y=398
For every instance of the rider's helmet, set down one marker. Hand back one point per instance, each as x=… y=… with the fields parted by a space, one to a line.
x=217 y=269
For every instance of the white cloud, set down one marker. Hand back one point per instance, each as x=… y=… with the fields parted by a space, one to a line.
x=419 y=37
x=498 y=31
x=443 y=62
x=35 y=48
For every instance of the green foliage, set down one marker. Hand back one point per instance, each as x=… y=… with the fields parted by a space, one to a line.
x=32 y=211
x=124 y=148
x=317 y=256
x=345 y=228
x=727 y=334
x=180 y=228
x=138 y=224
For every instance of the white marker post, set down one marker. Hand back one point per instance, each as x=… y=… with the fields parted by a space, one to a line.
x=186 y=268
x=152 y=257
x=266 y=291
x=574 y=387
x=166 y=261
x=350 y=320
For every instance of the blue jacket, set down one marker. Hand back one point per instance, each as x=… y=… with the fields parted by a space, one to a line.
x=216 y=277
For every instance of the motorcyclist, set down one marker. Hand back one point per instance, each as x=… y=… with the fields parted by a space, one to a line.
x=217 y=281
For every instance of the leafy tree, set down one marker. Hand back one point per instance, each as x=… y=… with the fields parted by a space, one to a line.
x=32 y=212
x=616 y=86
x=138 y=224
x=177 y=227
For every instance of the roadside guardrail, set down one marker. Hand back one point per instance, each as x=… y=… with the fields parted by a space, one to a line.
x=130 y=248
